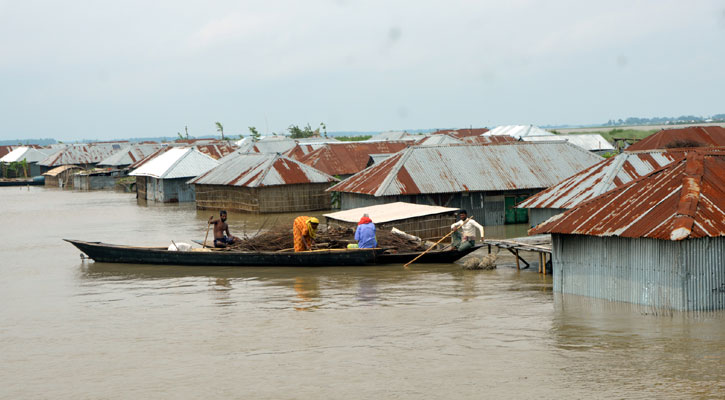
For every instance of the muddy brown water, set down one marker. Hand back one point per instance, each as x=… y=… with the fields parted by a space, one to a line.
x=74 y=330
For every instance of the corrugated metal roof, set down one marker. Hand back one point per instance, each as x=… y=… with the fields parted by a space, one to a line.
x=393 y=135
x=438 y=139
x=685 y=199
x=177 y=162
x=129 y=155
x=462 y=168
x=255 y=170
x=518 y=131
x=348 y=158
x=588 y=141
x=80 y=154
x=461 y=133
x=215 y=151
x=300 y=150
x=672 y=138
x=383 y=213
x=496 y=139
x=377 y=158
x=600 y=178
x=57 y=170
x=28 y=154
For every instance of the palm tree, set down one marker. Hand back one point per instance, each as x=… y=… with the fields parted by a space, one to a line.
x=220 y=128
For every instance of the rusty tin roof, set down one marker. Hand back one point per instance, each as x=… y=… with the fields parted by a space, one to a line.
x=257 y=170
x=706 y=136
x=685 y=199
x=130 y=154
x=81 y=154
x=600 y=178
x=462 y=168
x=461 y=133
x=349 y=158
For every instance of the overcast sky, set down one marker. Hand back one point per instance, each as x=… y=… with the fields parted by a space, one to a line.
x=96 y=69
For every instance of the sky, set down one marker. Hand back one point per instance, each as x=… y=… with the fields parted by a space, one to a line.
x=120 y=69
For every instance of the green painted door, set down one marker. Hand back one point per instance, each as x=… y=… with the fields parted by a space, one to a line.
x=522 y=214
x=510 y=211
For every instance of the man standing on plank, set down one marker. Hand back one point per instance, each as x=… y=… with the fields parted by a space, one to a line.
x=467 y=239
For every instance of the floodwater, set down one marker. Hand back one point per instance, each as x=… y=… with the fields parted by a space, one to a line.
x=72 y=329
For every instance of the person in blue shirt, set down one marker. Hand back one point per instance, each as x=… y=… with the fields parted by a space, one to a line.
x=365 y=233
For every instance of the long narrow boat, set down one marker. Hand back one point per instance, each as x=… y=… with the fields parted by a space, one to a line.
x=431 y=257
x=111 y=253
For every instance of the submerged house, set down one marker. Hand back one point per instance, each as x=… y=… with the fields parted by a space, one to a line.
x=424 y=221
x=657 y=241
x=32 y=156
x=486 y=180
x=346 y=159
x=164 y=177
x=62 y=176
x=263 y=183
x=600 y=178
x=129 y=155
x=82 y=155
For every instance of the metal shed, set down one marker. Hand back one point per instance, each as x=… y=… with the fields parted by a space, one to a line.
x=164 y=177
x=486 y=180
x=263 y=183
x=595 y=180
x=61 y=176
x=658 y=241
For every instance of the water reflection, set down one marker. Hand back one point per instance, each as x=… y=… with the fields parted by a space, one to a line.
x=683 y=348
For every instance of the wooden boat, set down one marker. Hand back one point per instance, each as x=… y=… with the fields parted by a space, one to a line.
x=446 y=256
x=111 y=253
x=431 y=257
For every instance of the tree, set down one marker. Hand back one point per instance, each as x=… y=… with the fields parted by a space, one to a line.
x=324 y=128
x=181 y=137
x=255 y=134
x=300 y=133
x=220 y=128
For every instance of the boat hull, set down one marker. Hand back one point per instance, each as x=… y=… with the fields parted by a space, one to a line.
x=103 y=252
x=432 y=257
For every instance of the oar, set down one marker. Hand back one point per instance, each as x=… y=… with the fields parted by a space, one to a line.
x=207 y=235
x=436 y=244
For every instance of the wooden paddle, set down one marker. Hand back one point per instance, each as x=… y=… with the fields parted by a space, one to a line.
x=436 y=244
x=207 y=234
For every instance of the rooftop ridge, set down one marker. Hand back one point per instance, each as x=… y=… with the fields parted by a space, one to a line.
x=689 y=196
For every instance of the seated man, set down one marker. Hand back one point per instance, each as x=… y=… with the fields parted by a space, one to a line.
x=467 y=239
x=304 y=230
x=365 y=233
x=220 y=227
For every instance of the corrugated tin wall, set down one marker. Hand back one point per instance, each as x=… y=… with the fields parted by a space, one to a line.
x=663 y=274
x=539 y=215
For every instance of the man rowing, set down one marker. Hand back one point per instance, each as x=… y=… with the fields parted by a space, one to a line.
x=220 y=228
x=467 y=239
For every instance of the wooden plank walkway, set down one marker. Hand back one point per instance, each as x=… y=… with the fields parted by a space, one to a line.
x=540 y=244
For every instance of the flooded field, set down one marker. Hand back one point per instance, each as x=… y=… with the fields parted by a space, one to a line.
x=76 y=329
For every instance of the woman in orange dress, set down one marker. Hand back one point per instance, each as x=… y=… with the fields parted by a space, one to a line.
x=304 y=230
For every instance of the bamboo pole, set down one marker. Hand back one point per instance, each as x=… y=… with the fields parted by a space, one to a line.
x=208 y=225
x=435 y=244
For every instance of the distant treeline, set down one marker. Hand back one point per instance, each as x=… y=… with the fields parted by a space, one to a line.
x=682 y=119
x=16 y=142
